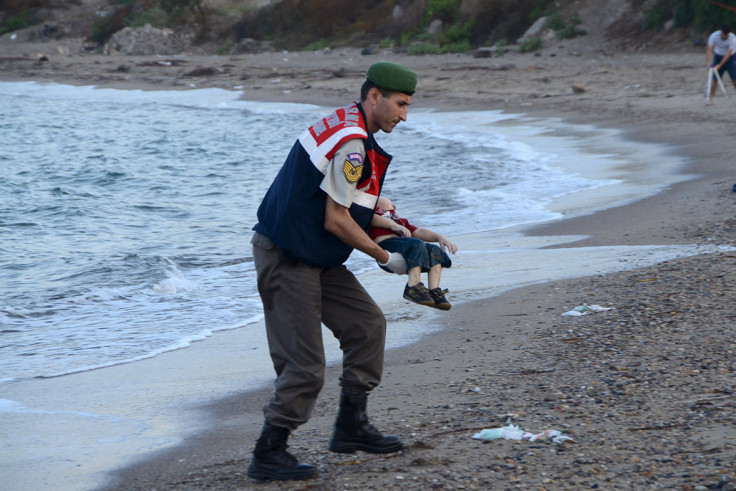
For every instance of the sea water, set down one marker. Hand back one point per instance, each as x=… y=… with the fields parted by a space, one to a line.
x=125 y=215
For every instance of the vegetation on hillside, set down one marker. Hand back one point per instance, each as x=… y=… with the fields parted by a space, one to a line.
x=18 y=14
x=303 y=23
x=700 y=15
x=157 y=13
x=406 y=24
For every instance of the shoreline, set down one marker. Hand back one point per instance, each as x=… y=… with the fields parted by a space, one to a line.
x=433 y=455
x=602 y=378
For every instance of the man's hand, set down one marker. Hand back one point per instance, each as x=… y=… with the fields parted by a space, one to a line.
x=396 y=263
x=339 y=223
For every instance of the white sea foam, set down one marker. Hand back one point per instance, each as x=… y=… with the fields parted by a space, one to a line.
x=7 y=406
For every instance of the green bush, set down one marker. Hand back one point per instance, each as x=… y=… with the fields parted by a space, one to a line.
x=531 y=44
x=709 y=17
x=556 y=22
x=422 y=49
x=458 y=33
x=20 y=21
x=102 y=29
x=406 y=38
x=703 y=16
x=415 y=36
x=460 y=47
x=501 y=47
x=566 y=29
x=225 y=47
x=317 y=45
x=540 y=8
x=684 y=14
x=181 y=12
x=445 y=10
x=386 y=43
x=171 y=6
x=155 y=16
x=654 y=18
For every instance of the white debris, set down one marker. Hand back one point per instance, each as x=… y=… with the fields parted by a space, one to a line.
x=513 y=432
x=586 y=309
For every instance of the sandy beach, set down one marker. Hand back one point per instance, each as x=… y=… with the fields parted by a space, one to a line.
x=646 y=390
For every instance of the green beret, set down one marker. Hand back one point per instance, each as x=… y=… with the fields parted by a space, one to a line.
x=393 y=76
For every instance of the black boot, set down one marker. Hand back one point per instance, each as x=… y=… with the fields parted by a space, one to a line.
x=354 y=432
x=272 y=461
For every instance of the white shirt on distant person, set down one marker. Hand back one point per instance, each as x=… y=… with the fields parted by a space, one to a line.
x=721 y=46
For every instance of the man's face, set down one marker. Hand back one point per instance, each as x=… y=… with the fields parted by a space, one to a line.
x=724 y=35
x=388 y=111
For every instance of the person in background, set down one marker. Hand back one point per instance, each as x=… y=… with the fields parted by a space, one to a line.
x=396 y=234
x=315 y=213
x=720 y=56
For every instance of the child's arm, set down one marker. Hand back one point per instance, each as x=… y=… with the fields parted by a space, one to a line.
x=380 y=222
x=428 y=235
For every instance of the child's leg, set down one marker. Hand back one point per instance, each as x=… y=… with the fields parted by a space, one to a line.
x=414 y=276
x=434 y=276
x=414 y=253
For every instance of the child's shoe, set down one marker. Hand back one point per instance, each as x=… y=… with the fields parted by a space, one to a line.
x=440 y=302
x=419 y=294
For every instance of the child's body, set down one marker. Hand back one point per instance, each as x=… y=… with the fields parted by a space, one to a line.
x=396 y=234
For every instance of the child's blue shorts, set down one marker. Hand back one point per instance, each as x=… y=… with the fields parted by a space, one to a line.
x=416 y=252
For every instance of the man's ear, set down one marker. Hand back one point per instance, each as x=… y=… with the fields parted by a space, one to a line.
x=373 y=95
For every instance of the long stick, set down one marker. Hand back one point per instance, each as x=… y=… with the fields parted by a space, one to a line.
x=708 y=83
x=722 y=5
x=720 y=82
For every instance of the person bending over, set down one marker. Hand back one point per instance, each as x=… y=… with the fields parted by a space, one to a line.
x=315 y=213
x=720 y=56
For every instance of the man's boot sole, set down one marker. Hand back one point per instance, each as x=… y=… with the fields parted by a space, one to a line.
x=268 y=476
x=353 y=447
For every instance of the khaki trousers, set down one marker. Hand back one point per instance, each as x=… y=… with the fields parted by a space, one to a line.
x=297 y=299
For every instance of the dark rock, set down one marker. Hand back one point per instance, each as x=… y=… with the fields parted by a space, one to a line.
x=537 y=29
x=250 y=45
x=398 y=13
x=483 y=53
x=49 y=30
x=370 y=50
x=201 y=72
x=435 y=27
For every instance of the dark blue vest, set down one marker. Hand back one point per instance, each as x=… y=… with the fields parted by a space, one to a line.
x=292 y=214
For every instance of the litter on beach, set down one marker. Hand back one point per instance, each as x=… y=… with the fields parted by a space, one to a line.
x=513 y=432
x=586 y=309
